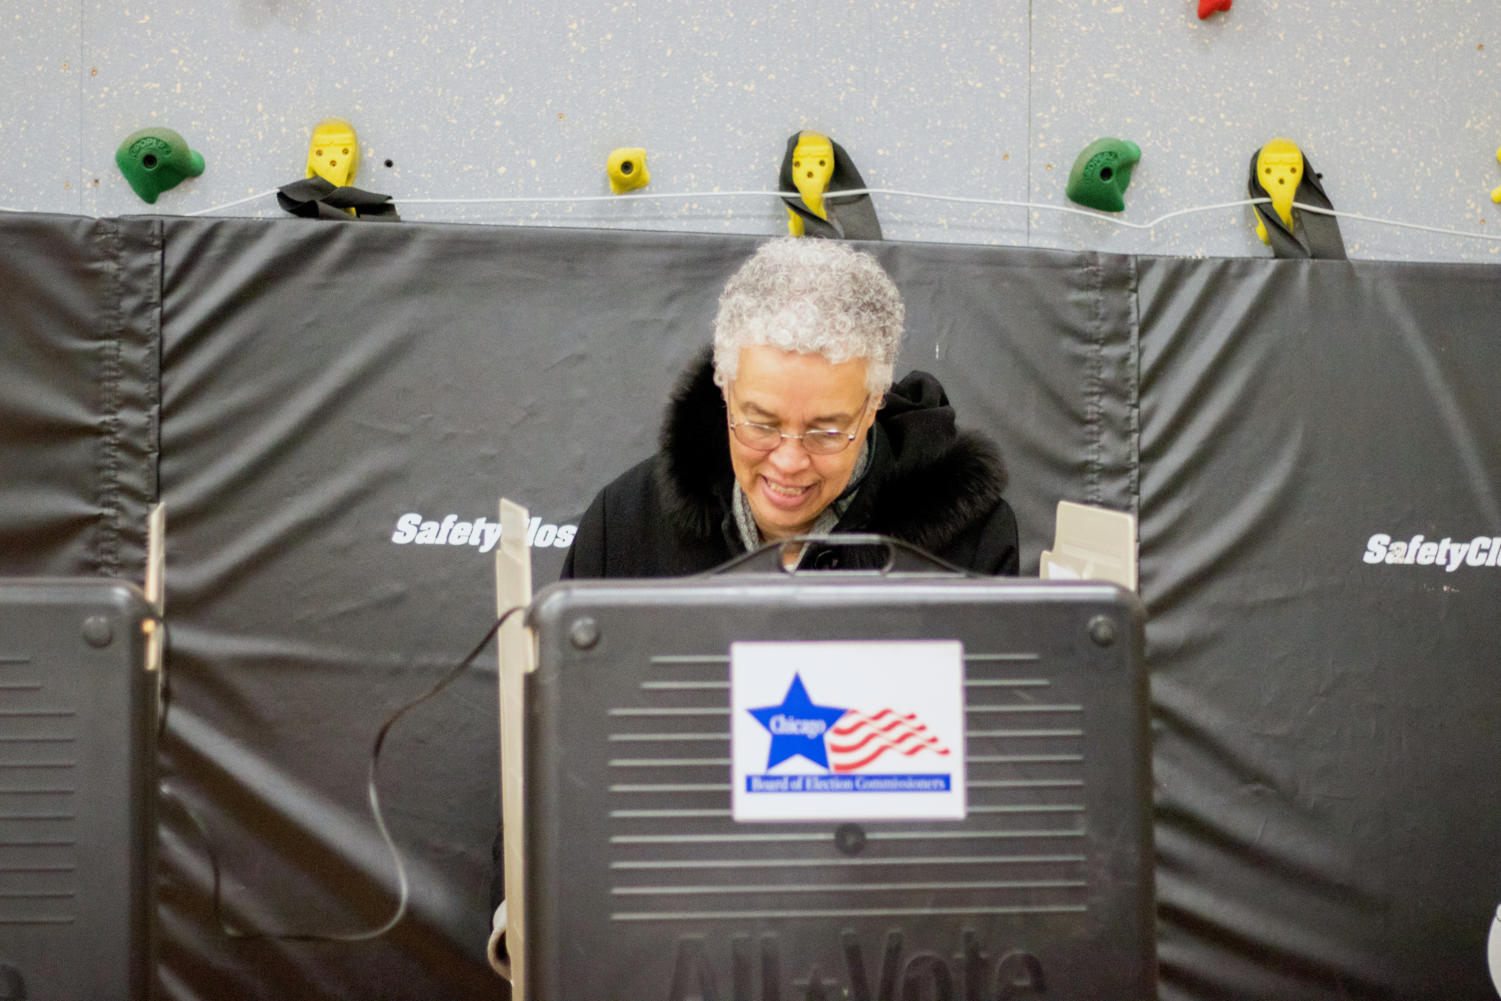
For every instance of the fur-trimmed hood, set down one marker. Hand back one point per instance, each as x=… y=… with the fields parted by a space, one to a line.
x=928 y=482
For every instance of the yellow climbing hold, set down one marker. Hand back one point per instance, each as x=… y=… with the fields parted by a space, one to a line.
x=334 y=153
x=1279 y=171
x=627 y=169
x=812 y=170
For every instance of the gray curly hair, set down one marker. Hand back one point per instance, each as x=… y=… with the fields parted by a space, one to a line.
x=811 y=296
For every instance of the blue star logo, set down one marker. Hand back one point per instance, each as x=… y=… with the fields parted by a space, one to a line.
x=797 y=726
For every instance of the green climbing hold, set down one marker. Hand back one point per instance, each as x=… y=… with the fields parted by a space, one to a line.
x=1101 y=174
x=156 y=160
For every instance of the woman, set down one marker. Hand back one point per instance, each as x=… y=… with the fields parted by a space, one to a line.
x=793 y=428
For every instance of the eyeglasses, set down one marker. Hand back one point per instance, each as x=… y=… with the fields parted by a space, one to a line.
x=820 y=441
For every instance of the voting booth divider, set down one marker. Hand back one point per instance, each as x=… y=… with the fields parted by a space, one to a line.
x=329 y=412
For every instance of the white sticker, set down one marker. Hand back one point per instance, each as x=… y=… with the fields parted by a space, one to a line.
x=847 y=730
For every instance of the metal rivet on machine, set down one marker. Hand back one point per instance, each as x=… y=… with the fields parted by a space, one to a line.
x=584 y=633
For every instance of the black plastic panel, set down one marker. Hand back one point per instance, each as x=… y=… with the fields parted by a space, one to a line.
x=643 y=886
x=77 y=791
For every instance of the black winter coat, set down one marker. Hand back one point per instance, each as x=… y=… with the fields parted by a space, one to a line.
x=929 y=484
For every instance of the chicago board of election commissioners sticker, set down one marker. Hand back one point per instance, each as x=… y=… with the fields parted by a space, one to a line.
x=838 y=730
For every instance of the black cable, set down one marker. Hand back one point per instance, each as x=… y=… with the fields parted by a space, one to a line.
x=163 y=680
x=404 y=888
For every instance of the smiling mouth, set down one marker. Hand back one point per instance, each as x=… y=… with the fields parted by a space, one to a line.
x=785 y=491
x=784 y=496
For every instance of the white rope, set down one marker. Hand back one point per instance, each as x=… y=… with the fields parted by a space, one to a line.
x=961 y=199
x=642 y=196
x=1393 y=222
x=888 y=192
x=1059 y=208
x=229 y=205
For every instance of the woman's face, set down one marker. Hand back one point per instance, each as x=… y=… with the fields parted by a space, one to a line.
x=787 y=486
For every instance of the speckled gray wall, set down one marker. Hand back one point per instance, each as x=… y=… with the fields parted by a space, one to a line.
x=1397 y=102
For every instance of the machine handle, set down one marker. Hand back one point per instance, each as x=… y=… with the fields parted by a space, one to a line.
x=900 y=556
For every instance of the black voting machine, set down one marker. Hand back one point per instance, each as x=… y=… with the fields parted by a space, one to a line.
x=640 y=884
x=78 y=711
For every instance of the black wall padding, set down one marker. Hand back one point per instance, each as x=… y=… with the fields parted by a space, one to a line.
x=1327 y=754
x=1324 y=759
x=79 y=355
x=322 y=382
